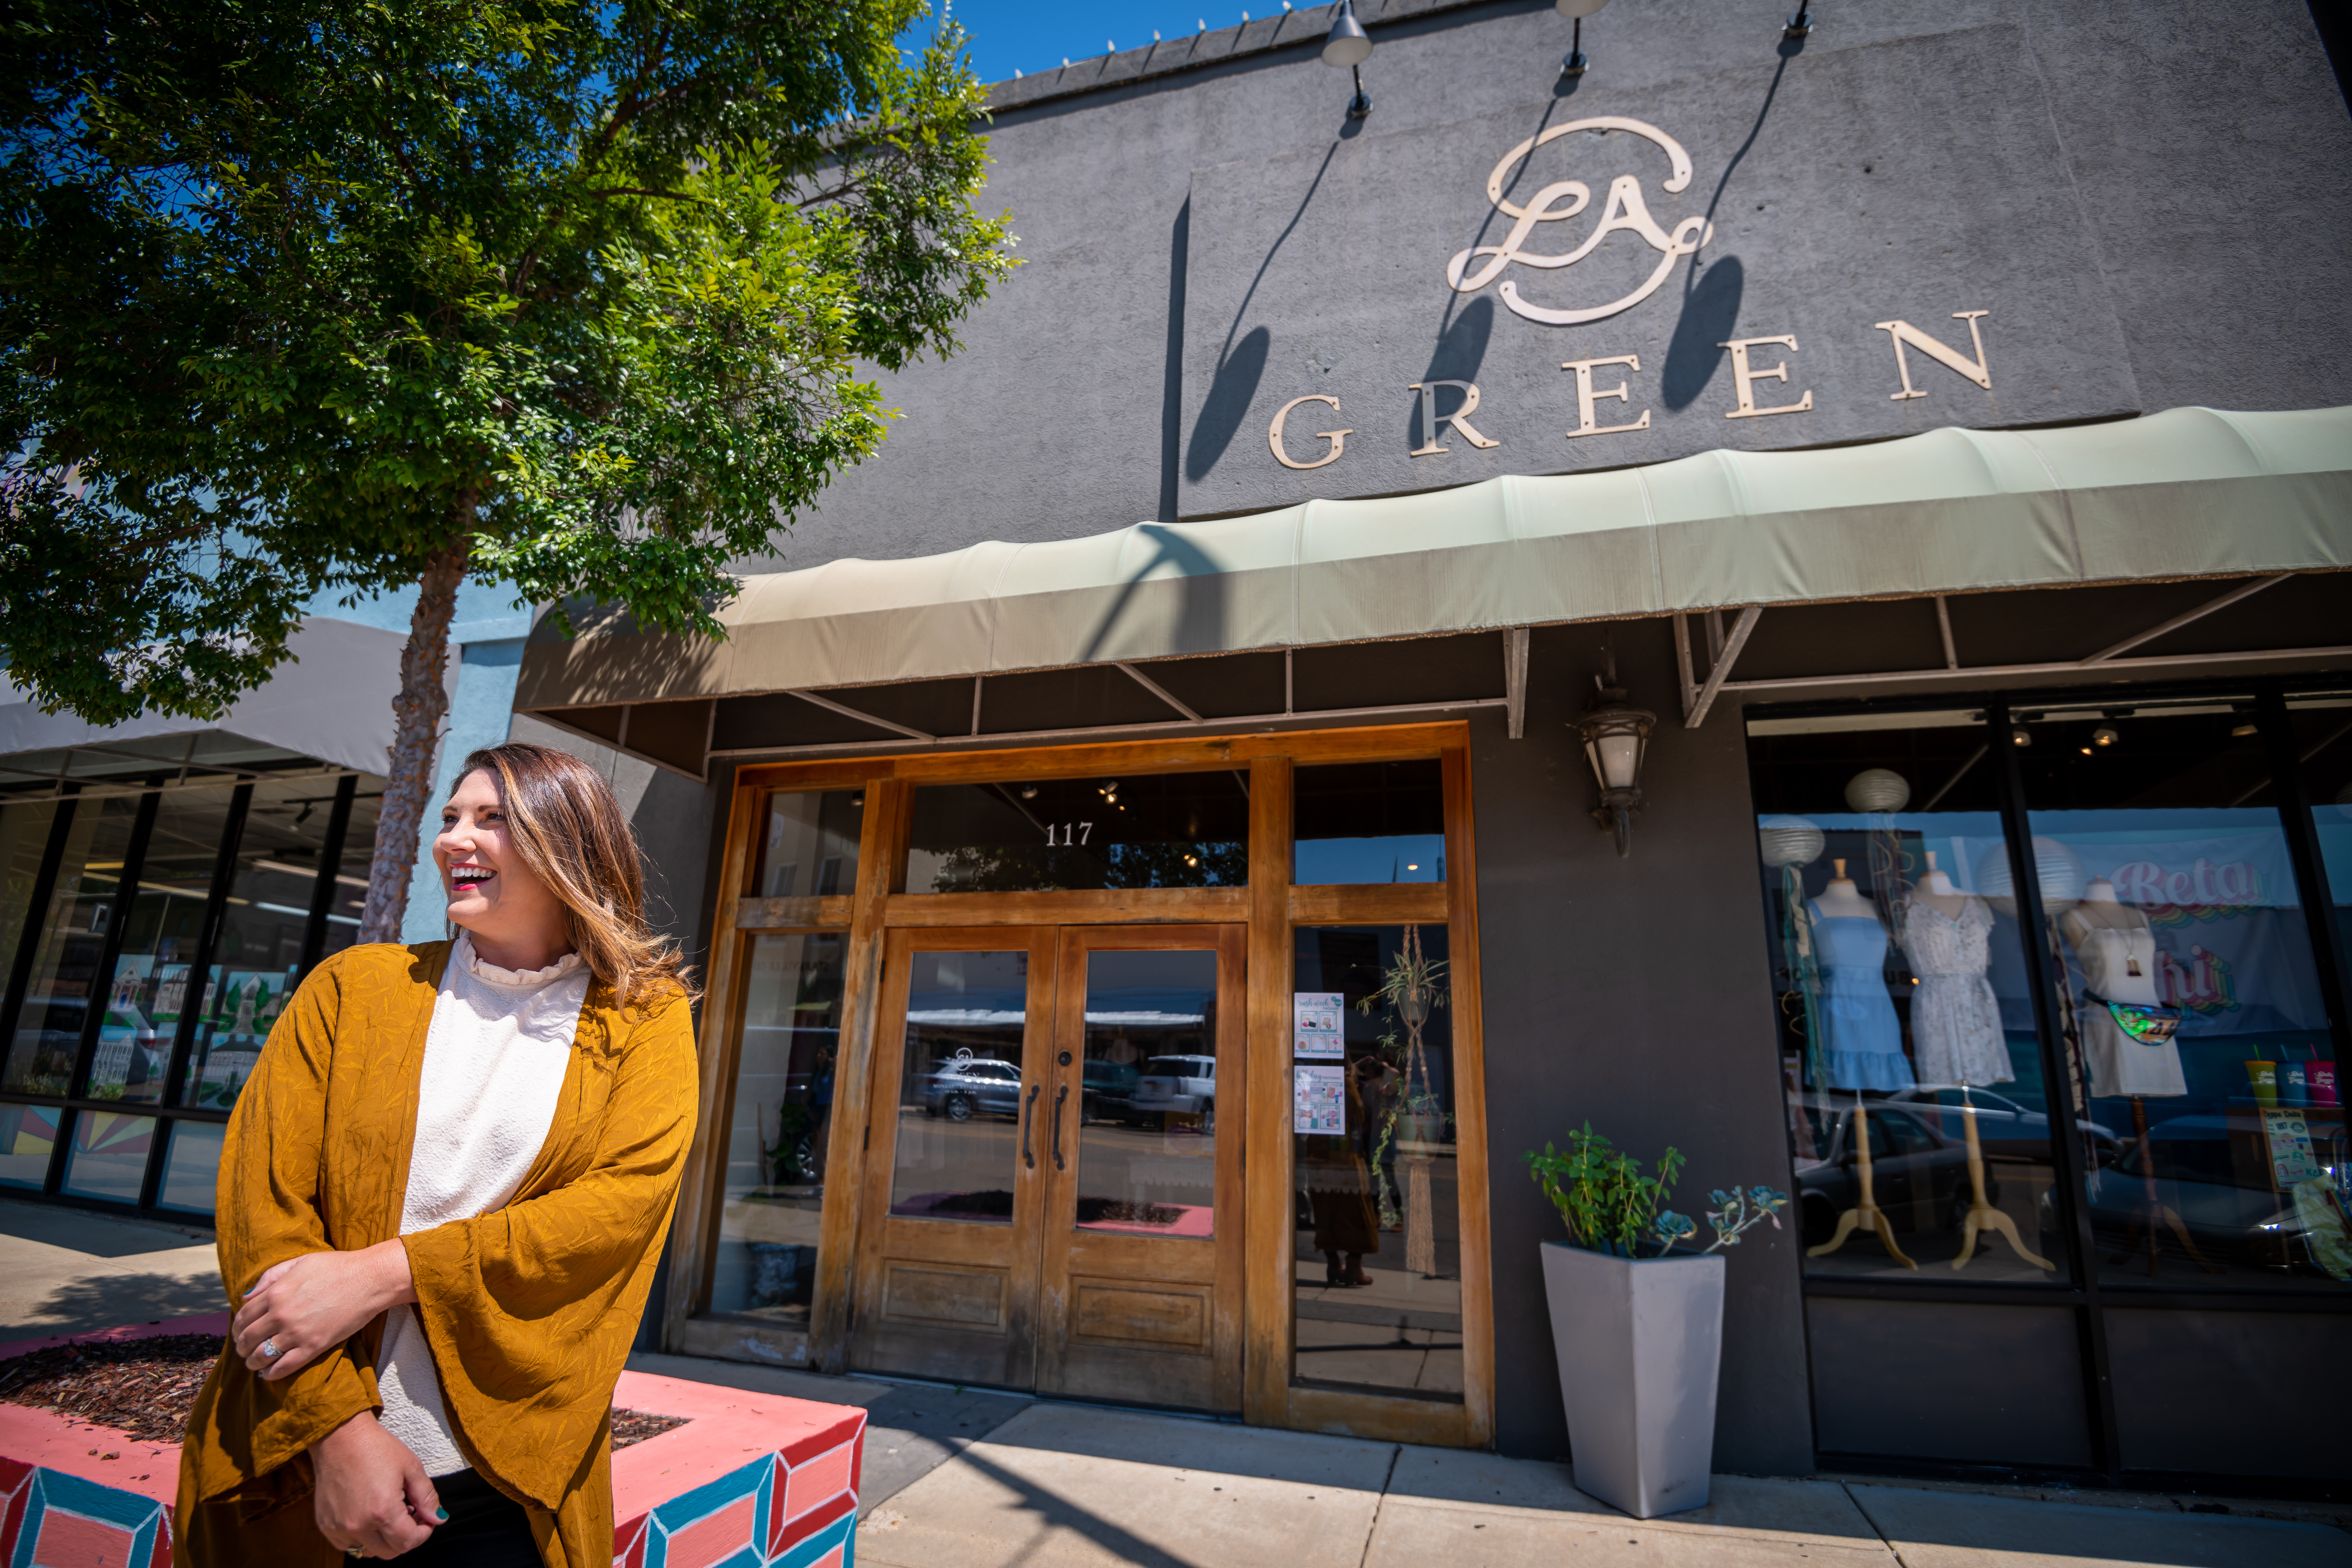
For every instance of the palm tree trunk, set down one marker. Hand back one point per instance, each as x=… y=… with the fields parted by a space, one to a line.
x=418 y=712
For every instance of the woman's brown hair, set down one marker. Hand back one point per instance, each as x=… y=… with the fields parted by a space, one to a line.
x=570 y=830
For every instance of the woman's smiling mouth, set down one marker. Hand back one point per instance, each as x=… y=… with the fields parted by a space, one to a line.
x=463 y=877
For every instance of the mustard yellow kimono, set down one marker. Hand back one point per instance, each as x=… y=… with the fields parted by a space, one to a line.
x=529 y=1310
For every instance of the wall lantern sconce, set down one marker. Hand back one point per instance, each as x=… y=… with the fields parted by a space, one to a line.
x=1577 y=10
x=1616 y=739
x=1350 y=46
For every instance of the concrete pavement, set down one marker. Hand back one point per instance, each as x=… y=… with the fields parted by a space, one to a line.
x=967 y=1478
x=65 y=1271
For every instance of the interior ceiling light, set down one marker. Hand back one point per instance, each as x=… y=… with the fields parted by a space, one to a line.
x=2105 y=735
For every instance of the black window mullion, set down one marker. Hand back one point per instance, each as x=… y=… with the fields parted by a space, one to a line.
x=330 y=863
x=2293 y=797
x=110 y=952
x=28 y=943
x=2057 y=1072
x=207 y=937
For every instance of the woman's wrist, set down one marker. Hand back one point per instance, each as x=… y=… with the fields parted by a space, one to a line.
x=388 y=1272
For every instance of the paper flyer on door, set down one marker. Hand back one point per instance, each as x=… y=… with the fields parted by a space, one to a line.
x=1315 y=1026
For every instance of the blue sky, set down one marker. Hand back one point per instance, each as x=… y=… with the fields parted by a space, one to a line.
x=1031 y=36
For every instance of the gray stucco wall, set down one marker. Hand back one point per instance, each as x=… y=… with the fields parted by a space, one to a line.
x=1633 y=993
x=2145 y=193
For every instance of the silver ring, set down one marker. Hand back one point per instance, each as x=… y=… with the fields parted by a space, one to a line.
x=270 y=1352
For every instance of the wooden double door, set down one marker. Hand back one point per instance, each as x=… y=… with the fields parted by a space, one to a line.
x=1053 y=1178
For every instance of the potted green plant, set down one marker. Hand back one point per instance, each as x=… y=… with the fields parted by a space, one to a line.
x=1637 y=1325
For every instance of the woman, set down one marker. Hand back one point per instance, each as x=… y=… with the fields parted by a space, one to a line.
x=441 y=1201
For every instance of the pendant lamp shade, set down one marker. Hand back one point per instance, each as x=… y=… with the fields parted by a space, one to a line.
x=1348 y=44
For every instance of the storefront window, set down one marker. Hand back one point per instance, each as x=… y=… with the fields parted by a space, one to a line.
x=960 y=1090
x=781 y=1129
x=810 y=847
x=1918 y=1118
x=24 y=836
x=1148 y=830
x=1377 y=1293
x=350 y=896
x=29 y=1134
x=193 y=1169
x=159 y=941
x=2323 y=739
x=1148 y=1118
x=109 y=1157
x=65 y=973
x=258 y=960
x=1368 y=822
x=2188 y=994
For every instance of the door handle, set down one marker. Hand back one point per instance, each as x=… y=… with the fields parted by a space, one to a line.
x=1060 y=1095
x=1027 y=1157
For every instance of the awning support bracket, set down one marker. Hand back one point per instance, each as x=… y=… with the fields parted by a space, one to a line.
x=848 y=712
x=1721 y=667
x=1161 y=691
x=2242 y=591
x=1515 y=680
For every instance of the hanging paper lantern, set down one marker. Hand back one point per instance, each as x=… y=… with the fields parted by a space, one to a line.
x=1789 y=840
x=2060 y=871
x=1877 y=790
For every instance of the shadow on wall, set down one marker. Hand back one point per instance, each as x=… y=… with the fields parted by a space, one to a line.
x=1712 y=290
x=1461 y=350
x=1240 y=365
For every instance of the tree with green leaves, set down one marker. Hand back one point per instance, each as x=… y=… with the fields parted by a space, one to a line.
x=349 y=296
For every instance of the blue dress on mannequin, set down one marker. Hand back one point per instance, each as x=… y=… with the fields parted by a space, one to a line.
x=1864 y=1049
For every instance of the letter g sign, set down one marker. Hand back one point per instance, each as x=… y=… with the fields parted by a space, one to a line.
x=1338 y=438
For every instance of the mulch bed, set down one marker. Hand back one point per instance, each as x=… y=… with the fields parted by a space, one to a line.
x=143 y=1388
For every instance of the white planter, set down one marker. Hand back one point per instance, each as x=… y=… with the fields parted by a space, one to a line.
x=1640 y=1343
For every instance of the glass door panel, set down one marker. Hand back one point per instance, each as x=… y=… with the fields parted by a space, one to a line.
x=960 y=1089
x=1141 y=1298
x=1147 y=1128
x=947 y=1264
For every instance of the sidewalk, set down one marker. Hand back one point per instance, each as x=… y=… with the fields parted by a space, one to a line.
x=959 y=1479
x=963 y=1478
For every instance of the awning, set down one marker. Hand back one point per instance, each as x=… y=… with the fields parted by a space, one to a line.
x=2192 y=492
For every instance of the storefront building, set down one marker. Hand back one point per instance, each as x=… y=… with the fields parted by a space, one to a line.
x=1139 y=953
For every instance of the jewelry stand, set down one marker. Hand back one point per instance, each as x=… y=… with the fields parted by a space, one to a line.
x=1867 y=1211
x=1982 y=1215
x=2153 y=1210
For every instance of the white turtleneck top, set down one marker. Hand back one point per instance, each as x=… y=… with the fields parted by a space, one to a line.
x=495 y=1056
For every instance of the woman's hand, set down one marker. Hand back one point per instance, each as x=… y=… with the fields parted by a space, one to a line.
x=306 y=1306
x=373 y=1499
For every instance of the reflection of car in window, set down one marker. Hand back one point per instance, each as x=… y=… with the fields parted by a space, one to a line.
x=1919 y=1177
x=2213 y=1176
x=1184 y=1086
x=2004 y=1127
x=961 y=1090
x=1110 y=1090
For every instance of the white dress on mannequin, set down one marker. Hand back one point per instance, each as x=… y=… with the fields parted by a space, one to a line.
x=1956 y=1033
x=2119 y=965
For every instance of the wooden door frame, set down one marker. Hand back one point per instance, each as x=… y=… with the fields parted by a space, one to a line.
x=1270 y=907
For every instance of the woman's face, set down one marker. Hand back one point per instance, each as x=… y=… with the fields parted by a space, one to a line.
x=492 y=893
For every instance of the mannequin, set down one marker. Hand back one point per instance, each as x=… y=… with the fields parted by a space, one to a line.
x=1865 y=1039
x=2115 y=946
x=1864 y=1045
x=1956 y=1028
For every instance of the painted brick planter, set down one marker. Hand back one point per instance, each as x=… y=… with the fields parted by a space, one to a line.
x=753 y=1481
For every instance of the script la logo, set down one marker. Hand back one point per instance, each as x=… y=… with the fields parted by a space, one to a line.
x=1624 y=210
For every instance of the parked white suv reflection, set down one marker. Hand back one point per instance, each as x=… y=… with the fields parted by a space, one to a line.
x=1185 y=1085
